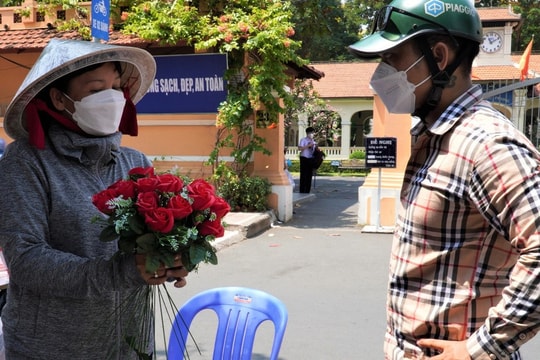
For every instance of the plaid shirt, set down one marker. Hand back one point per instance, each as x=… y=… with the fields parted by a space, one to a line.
x=465 y=260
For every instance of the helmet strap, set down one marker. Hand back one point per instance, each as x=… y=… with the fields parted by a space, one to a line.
x=439 y=78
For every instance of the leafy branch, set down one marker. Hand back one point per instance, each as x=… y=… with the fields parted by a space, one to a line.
x=256 y=35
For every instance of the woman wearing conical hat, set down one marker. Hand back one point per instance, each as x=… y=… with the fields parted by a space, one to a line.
x=67 y=120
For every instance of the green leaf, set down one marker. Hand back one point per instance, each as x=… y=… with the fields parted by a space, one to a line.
x=146 y=242
x=186 y=261
x=152 y=263
x=108 y=234
x=167 y=258
x=212 y=258
x=197 y=253
x=136 y=224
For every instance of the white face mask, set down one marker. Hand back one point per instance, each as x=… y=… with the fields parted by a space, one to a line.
x=395 y=91
x=99 y=114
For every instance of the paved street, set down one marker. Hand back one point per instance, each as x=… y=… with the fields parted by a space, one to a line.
x=330 y=275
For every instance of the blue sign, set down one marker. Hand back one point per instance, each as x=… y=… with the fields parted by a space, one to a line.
x=186 y=84
x=100 y=19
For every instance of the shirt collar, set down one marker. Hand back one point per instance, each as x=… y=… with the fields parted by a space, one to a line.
x=452 y=113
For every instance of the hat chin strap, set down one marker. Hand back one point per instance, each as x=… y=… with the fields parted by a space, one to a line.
x=439 y=79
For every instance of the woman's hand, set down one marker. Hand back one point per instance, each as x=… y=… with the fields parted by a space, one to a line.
x=176 y=273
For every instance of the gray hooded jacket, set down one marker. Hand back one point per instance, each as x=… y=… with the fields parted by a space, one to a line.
x=65 y=284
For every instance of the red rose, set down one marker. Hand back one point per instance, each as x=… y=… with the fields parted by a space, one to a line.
x=160 y=219
x=220 y=207
x=126 y=188
x=169 y=183
x=202 y=193
x=101 y=201
x=210 y=227
x=147 y=201
x=179 y=206
x=147 y=184
x=140 y=172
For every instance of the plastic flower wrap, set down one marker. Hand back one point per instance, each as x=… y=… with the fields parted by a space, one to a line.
x=161 y=216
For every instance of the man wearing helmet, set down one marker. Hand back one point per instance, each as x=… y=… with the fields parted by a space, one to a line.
x=465 y=265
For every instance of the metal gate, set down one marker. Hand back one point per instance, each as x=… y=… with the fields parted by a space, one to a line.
x=520 y=102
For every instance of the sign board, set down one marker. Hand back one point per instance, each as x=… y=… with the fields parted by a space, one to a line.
x=186 y=84
x=100 y=19
x=381 y=152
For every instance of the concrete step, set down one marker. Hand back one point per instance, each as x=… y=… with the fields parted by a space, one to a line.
x=243 y=225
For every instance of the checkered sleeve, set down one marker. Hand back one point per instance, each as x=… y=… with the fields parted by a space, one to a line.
x=505 y=187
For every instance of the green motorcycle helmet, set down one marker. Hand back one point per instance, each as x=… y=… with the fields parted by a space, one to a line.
x=403 y=20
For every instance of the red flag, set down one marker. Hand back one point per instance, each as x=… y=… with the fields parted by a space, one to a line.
x=524 y=62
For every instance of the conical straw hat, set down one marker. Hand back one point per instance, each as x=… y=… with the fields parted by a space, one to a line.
x=61 y=57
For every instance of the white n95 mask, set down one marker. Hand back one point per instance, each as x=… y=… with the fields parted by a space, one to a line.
x=99 y=114
x=395 y=91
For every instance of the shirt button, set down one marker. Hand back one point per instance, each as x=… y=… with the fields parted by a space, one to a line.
x=493 y=356
x=522 y=336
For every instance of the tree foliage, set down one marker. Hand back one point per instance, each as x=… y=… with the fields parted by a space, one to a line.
x=256 y=35
x=323 y=29
x=530 y=13
x=360 y=14
x=321 y=116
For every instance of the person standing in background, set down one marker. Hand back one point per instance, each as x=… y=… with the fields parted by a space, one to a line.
x=306 y=146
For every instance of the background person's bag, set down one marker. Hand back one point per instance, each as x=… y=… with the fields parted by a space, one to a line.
x=318 y=157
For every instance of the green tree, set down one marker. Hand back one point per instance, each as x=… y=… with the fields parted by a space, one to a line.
x=256 y=35
x=530 y=14
x=321 y=116
x=322 y=28
x=360 y=14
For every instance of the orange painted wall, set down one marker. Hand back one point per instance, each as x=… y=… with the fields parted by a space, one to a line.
x=184 y=137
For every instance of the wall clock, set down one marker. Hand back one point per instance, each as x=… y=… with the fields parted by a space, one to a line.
x=492 y=42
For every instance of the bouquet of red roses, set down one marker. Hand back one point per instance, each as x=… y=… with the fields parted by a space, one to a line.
x=163 y=216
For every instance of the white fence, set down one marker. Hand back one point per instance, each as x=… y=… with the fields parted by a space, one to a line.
x=332 y=153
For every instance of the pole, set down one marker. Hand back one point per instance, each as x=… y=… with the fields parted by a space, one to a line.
x=379 y=195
